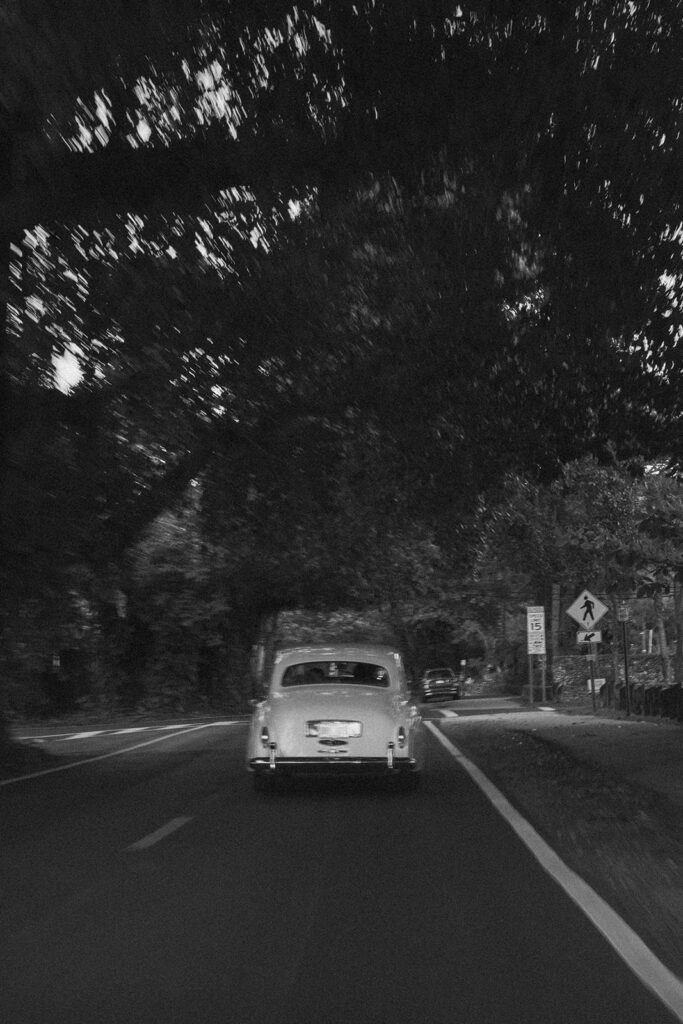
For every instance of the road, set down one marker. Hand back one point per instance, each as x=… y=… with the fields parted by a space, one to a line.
x=153 y=885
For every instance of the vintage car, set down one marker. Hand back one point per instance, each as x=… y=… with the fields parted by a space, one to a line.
x=440 y=682
x=334 y=710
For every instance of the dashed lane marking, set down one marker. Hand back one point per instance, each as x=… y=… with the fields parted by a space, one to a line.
x=628 y=945
x=167 y=728
x=64 y=736
x=81 y=735
x=154 y=837
x=448 y=714
x=478 y=716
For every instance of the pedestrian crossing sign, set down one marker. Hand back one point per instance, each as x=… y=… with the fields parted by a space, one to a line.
x=587 y=609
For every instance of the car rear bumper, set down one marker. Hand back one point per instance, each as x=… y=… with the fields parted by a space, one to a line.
x=332 y=765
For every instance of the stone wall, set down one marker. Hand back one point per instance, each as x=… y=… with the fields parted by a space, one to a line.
x=572 y=672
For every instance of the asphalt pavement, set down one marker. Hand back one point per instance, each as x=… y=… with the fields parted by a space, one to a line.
x=149 y=883
x=647 y=751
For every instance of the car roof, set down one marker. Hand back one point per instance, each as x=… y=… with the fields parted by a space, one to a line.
x=347 y=651
x=432 y=671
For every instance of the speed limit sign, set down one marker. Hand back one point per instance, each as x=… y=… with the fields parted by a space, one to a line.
x=535 y=629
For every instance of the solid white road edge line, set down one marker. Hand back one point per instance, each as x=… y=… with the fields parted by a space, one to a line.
x=112 y=753
x=161 y=833
x=630 y=947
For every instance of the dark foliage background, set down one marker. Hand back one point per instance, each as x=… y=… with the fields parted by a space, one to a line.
x=331 y=274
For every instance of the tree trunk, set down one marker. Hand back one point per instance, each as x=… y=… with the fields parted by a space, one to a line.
x=5 y=741
x=551 y=661
x=614 y=684
x=555 y=621
x=263 y=652
x=658 y=602
x=678 y=619
x=4 y=424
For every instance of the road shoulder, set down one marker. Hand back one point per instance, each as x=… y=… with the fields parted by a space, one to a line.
x=580 y=784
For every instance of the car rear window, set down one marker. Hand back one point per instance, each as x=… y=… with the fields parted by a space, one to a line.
x=310 y=673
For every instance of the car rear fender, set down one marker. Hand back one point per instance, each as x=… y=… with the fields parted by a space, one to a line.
x=381 y=713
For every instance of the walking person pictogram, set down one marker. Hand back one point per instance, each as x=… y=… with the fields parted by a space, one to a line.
x=587 y=610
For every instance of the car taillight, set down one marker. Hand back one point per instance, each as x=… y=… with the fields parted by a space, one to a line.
x=265 y=736
x=401 y=737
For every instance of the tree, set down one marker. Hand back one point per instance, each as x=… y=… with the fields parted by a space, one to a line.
x=477 y=207
x=661 y=530
x=526 y=104
x=595 y=526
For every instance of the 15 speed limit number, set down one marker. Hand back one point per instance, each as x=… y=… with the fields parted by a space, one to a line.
x=535 y=629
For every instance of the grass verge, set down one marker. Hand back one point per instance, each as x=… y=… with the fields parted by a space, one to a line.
x=624 y=840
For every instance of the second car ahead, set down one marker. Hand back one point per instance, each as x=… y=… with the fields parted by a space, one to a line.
x=440 y=682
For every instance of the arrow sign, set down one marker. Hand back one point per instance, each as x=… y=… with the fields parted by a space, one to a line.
x=587 y=610
x=594 y=637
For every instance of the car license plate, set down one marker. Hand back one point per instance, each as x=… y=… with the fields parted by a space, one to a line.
x=334 y=730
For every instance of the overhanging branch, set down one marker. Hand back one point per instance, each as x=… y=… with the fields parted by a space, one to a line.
x=80 y=187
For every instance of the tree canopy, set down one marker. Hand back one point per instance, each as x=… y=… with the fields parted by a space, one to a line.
x=340 y=265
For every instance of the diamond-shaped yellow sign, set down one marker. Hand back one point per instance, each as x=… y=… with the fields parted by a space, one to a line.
x=587 y=609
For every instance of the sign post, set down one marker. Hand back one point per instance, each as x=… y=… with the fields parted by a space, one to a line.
x=544 y=671
x=535 y=635
x=591 y=664
x=587 y=610
x=622 y=615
